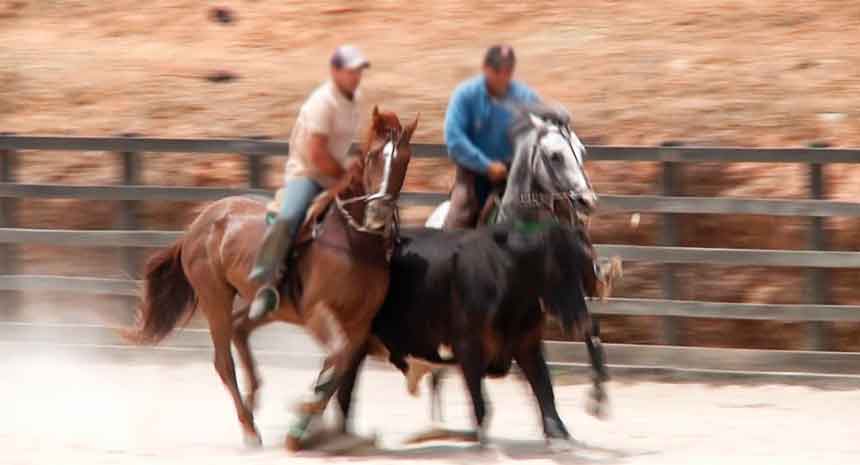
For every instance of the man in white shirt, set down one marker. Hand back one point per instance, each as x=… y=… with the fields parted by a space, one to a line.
x=319 y=156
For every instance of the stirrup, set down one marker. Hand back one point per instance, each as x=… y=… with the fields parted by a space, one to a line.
x=267 y=299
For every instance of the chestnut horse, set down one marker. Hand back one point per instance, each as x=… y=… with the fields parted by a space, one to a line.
x=336 y=277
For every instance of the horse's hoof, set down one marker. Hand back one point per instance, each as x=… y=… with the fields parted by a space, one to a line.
x=598 y=408
x=252 y=441
x=562 y=445
x=439 y=433
x=346 y=443
x=483 y=440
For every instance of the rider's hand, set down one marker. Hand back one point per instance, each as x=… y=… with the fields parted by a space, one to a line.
x=497 y=172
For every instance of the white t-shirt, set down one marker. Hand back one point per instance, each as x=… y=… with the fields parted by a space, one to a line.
x=328 y=112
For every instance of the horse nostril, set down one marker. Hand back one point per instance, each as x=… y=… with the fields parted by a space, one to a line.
x=589 y=200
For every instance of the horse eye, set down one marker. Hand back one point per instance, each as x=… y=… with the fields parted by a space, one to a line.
x=556 y=156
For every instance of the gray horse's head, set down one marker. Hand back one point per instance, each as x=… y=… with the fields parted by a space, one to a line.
x=548 y=157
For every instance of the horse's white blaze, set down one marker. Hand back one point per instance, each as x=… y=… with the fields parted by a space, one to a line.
x=437 y=218
x=388 y=150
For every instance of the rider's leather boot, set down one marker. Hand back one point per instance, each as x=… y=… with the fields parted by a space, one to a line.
x=270 y=257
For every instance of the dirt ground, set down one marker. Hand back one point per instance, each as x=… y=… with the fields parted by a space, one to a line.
x=109 y=409
x=730 y=72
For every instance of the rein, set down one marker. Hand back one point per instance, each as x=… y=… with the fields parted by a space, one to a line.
x=353 y=223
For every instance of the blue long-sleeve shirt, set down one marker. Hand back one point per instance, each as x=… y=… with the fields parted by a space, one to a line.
x=476 y=124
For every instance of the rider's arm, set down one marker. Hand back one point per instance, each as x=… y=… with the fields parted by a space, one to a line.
x=460 y=147
x=324 y=162
x=319 y=119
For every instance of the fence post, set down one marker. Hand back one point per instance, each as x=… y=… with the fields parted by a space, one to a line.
x=8 y=212
x=255 y=164
x=671 y=176
x=129 y=209
x=817 y=279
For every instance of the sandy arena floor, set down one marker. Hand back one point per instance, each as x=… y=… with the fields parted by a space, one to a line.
x=169 y=407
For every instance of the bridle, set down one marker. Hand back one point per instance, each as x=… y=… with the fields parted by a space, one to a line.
x=547 y=199
x=380 y=195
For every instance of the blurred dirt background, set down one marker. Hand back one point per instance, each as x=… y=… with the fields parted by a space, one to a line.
x=732 y=72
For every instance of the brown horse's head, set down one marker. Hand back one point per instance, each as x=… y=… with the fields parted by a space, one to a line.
x=385 y=159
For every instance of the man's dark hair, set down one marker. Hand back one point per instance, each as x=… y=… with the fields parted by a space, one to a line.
x=499 y=57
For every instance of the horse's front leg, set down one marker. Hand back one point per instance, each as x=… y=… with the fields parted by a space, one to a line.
x=472 y=364
x=347 y=387
x=529 y=356
x=345 y=349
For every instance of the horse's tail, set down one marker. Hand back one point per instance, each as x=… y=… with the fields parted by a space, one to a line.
x=167 y=297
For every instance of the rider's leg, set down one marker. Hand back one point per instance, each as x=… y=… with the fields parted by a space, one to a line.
x=464 y=208
x=298 y=195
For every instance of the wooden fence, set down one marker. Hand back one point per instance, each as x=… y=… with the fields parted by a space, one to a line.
x=817 y=311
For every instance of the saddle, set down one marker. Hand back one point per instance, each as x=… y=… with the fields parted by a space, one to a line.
x=316 y=212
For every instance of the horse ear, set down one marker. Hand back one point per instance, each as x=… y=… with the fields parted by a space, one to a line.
x=407 y=133
x=375 y=118
x=536 y=121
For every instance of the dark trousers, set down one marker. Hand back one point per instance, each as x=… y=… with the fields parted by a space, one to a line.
x=468 y=196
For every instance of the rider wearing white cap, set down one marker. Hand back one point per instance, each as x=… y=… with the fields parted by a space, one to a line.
x=319 y=156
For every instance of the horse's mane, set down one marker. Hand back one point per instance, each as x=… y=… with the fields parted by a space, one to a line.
x=547 y=111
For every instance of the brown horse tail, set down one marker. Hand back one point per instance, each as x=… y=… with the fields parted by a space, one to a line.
x=168 y=296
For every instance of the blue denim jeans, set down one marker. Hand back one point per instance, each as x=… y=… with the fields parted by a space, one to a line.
x=298 y=195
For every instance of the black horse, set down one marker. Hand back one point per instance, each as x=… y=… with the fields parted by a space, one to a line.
x=485 y=294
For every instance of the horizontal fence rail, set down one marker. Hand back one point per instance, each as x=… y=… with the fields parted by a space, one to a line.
x=608 y=203
x=284 y=339
x=730 y=257
x=252 y=147
x=817 y=312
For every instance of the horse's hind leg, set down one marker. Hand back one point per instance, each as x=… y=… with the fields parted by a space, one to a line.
x=219 y=313
x=241 y=333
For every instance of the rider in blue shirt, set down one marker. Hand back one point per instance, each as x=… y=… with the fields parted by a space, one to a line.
x=476 y=133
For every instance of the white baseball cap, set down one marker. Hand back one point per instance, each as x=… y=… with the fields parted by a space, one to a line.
x=349 y=57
